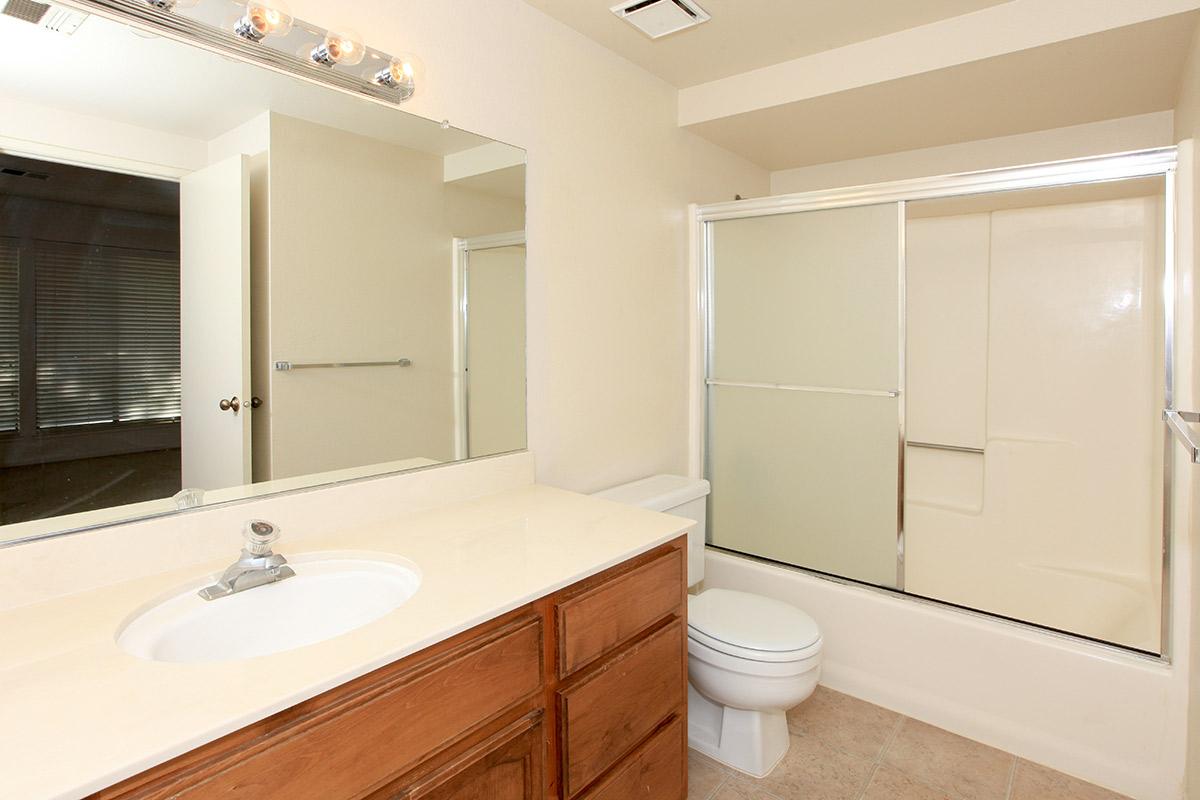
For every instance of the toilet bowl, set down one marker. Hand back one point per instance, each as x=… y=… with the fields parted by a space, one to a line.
x=750 y=657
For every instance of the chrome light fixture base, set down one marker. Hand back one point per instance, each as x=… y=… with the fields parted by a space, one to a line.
x=321 y=55
x=385 y=77
x=244 y=28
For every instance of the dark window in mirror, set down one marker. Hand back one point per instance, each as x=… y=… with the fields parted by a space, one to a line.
x=89 y=339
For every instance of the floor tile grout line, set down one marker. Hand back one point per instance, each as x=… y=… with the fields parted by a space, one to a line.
x=1012 y=778
x=891 y=738
x=877 y=762
x=870 y=779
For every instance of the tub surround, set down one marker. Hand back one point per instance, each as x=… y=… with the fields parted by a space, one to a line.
x=86 y=715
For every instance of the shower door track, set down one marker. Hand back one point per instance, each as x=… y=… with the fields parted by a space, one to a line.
x=1149 y=163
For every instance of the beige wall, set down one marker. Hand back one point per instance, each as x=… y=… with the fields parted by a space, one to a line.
x=609 y=178
x=360 y=278
x=1187 y=132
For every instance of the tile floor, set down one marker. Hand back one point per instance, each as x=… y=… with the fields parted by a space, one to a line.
x=847 y=749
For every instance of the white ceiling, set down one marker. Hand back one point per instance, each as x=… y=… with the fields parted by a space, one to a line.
x=748 y=34
x=1134 y=69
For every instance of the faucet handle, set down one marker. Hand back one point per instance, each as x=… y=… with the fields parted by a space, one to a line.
x=188 y=498
x=259 y=535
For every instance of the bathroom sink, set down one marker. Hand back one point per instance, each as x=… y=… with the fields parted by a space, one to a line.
x=331 y=594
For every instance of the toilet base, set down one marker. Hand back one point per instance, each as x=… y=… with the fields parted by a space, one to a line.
x=753 y=742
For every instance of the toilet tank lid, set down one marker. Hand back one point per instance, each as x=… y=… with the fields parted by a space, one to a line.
x=658 y=492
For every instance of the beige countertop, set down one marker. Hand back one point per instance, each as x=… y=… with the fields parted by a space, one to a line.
x=77 y=713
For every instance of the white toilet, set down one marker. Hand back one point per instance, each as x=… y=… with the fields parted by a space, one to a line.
x=750 y=658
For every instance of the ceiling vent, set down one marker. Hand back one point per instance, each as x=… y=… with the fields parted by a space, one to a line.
x=658 y=18
x=59 y=19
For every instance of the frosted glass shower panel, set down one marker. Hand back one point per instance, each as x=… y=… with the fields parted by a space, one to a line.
x=803 y=412
x=809 y=299
x=806 y=478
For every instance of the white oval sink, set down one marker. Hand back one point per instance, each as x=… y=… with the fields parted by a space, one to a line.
x=331 y=594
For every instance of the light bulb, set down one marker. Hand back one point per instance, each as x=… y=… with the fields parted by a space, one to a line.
x=263 y=18
x=339 y=48
x=400 y=73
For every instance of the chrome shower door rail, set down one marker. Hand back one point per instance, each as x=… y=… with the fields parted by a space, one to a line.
x=788 y=387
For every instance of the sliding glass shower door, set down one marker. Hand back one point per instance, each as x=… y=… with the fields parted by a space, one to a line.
x=804 y=389
x=958 y=396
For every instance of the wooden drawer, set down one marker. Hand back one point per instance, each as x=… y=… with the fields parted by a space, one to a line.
x=368 y=737
x=595 y=622
x=655 y=772
x=506 y=766
x=607 y=713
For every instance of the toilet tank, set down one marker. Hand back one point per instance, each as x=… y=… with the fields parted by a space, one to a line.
x=670 y=494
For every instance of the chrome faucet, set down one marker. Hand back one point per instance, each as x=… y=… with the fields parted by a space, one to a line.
x=257 y=565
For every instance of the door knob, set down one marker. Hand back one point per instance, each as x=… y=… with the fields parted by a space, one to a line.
x=255 y=402
x=232 y=404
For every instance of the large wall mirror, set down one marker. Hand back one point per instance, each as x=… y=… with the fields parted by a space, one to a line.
x=219 y=281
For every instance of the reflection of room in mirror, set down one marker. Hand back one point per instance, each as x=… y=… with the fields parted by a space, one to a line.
x=364 y=279
x=226 y=218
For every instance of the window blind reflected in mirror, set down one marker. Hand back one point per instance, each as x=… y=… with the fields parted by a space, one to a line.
x=10 y=331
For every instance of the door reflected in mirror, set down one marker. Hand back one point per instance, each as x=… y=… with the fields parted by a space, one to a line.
x=217 y=281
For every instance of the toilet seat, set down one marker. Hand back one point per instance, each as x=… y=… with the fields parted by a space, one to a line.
x=752 y=627
x=740 y=665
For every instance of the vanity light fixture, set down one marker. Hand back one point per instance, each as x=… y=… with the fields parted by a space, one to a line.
x=264 y=32
x=263 y=19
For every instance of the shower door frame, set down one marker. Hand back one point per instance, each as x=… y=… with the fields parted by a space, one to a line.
x=461 y=248
x=1149 y=163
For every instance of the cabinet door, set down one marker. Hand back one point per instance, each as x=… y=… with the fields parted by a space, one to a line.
x=506 y=766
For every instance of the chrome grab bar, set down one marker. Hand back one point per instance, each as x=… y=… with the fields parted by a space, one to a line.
x=287 y=366
x=1178 y=421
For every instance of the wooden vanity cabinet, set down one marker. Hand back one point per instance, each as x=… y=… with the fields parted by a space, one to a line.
x=581 y=694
